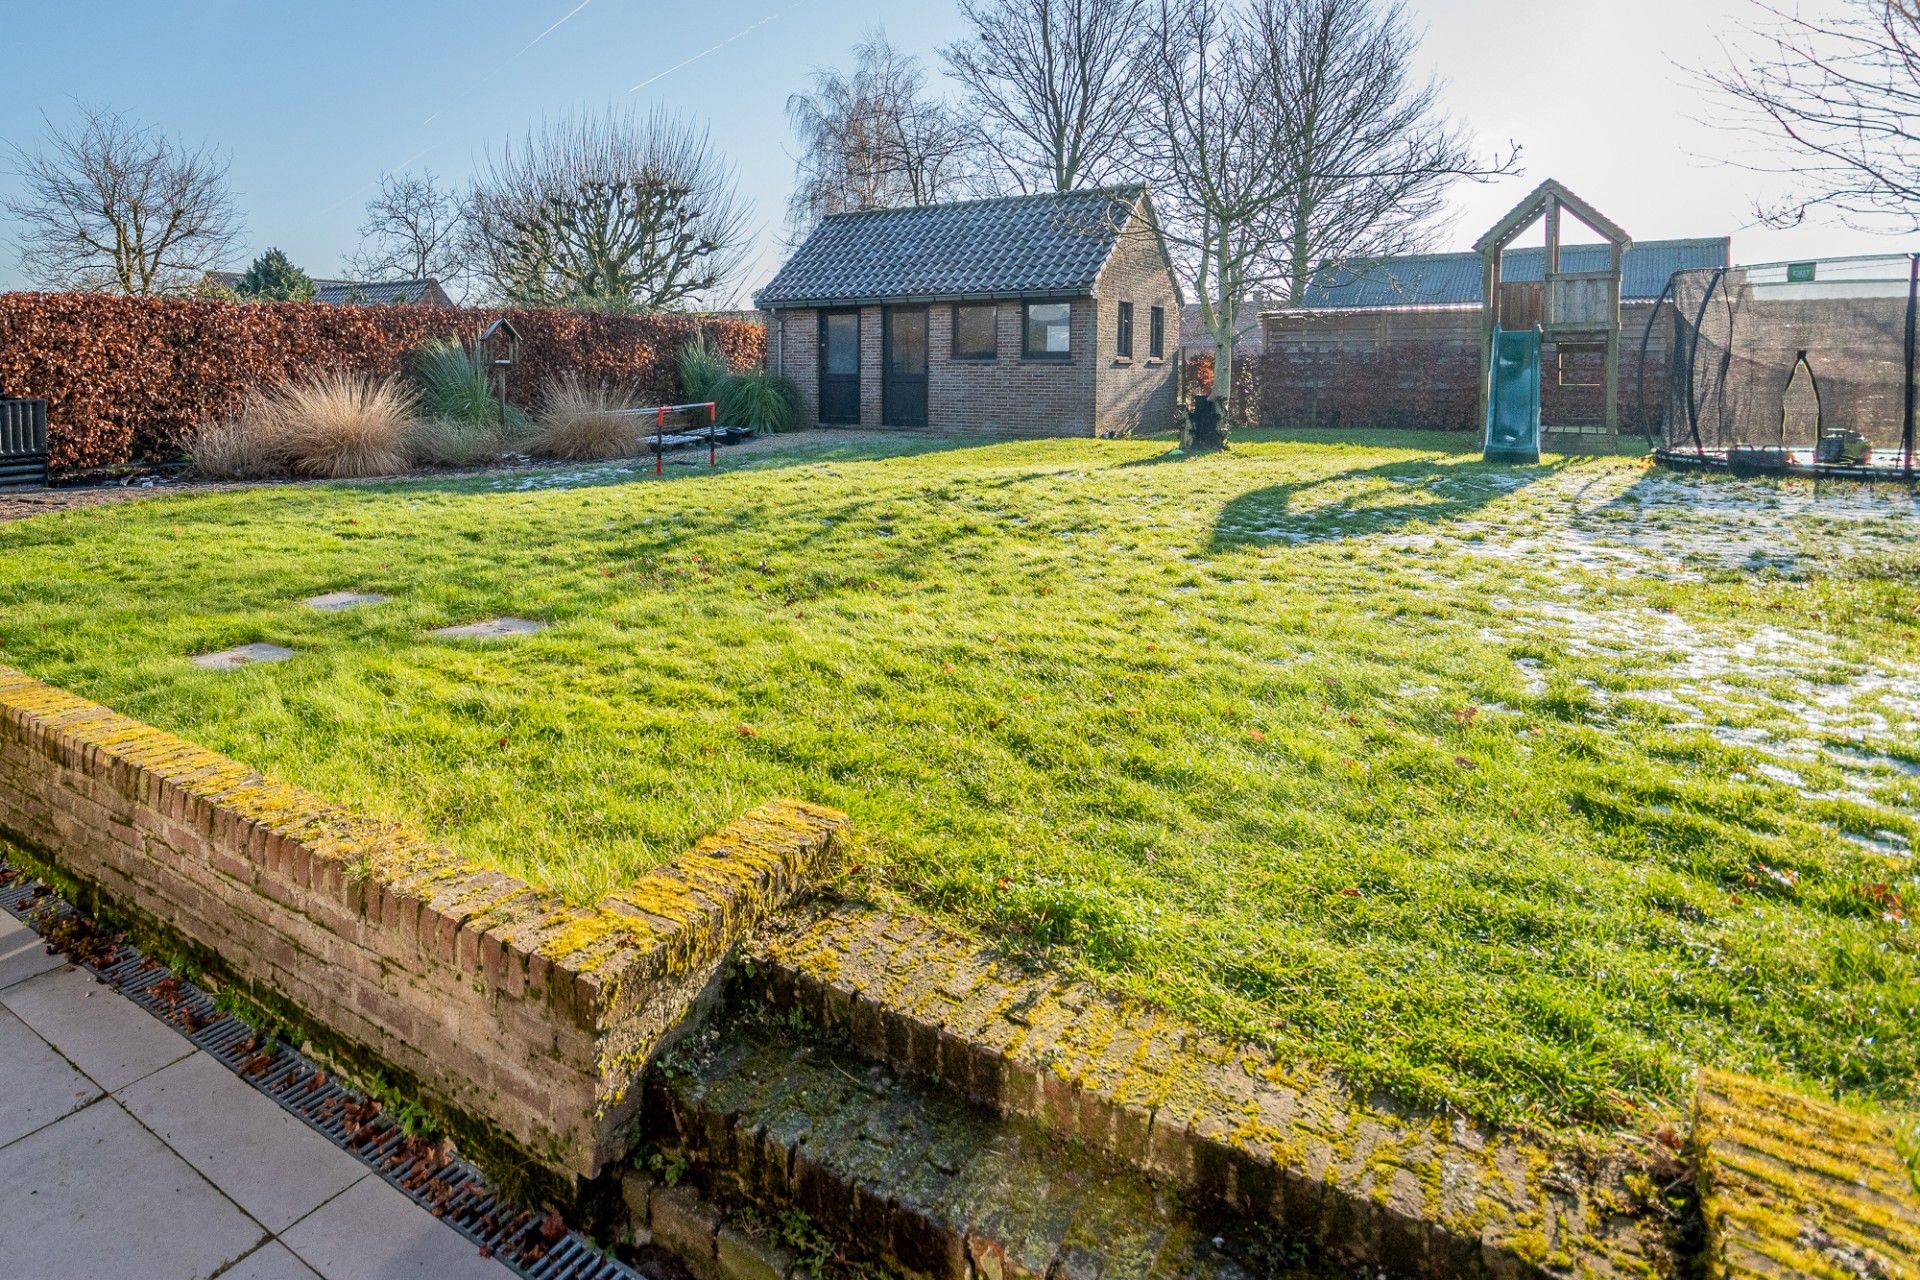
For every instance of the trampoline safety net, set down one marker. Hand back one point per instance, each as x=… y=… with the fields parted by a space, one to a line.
x=1784 y=356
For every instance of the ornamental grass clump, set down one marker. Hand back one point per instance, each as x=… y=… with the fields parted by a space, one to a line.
x=702 y=371
x=760 y=401
x=580 y=421
x=236 y=448
x=450 y=442
x=343 y=426
x=454 y=384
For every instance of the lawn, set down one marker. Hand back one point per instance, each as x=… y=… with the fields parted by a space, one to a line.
x=1521 y=790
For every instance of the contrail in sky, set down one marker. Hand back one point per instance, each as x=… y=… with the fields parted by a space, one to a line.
x=518 y=54
x=738 y=35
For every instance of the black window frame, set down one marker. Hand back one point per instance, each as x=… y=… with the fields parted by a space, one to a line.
x=1026 y=334
x=1123 y=331
x=976 y=357
x=1157 y=333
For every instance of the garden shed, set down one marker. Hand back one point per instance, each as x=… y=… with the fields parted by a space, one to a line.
x=1053 y=315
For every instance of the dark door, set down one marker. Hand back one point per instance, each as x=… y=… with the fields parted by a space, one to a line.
x=904 y=393
x=840 y=367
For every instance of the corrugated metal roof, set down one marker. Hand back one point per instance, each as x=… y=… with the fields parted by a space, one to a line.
x=1453 y=279
x=1051 y=245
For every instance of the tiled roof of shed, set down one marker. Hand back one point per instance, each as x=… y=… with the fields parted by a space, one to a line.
x=1051 y=245
x=1453 y=279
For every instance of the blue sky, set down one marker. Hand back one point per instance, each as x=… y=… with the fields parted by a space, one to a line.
x=313 y=101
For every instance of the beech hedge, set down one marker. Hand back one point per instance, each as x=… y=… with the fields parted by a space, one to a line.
x=129 y=378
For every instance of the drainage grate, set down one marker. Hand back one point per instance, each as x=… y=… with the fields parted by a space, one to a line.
x=533 y=1245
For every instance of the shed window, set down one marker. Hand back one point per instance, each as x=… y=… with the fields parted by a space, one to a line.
x=1123 y=332
x=1049 y=331
x=1157 y=333
x=976 y=331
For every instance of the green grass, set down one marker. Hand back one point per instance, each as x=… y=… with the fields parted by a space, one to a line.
x=1271 y=738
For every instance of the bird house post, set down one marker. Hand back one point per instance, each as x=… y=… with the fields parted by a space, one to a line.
x=500 y=350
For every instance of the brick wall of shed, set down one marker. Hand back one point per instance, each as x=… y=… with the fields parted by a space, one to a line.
x=1008 y=394
x=1138 y=395
x=1421 y=369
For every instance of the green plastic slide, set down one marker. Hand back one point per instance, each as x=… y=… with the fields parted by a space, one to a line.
x=1513 y=401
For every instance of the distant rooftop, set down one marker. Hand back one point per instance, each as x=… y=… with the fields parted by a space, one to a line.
x=1454 y=279
x=1043 y=246
x=365 y=293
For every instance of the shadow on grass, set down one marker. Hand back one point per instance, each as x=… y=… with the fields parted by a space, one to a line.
x=1389 y=497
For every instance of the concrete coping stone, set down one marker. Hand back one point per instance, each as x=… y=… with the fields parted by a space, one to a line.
x=341 y=601
x=246 y=655
x=492 y=629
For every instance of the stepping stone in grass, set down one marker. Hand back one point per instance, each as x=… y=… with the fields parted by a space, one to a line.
x=492 y=629
x=340 y=601
x=245 y=655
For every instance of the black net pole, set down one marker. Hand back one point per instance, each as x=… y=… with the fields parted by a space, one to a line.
x=1913 y=330
x=1693 y=354
x=1646 y=337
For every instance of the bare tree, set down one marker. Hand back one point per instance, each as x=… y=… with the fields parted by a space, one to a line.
x=1842 y=92
x=1369 y=154
x=874 y=138
x=109 y=203
x=614 y=212
x=1052 y=87
x=1220 y=183
x=412 y=232
x=1288 y=134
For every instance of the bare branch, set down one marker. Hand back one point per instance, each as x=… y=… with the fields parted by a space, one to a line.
x=1052 y=88
x=113 y=204
x=412 y=232
x=1840 y=96
x=873 y=138
x=615 y=211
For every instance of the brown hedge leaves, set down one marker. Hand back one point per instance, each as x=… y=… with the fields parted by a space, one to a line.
x=131 y=377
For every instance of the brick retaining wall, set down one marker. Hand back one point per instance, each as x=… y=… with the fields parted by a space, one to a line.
x=504 y=1003
x=1423 y=1195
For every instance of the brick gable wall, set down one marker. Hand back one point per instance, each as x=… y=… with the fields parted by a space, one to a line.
x=1139 y=395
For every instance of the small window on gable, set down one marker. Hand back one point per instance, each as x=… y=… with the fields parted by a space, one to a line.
x=1157 y=333
x=976 y=331
x=1123 y=332
x=1049 y=330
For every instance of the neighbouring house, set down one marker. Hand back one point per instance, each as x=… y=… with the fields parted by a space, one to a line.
x=1396 y=342
x=360 y=293
x=1052 y=315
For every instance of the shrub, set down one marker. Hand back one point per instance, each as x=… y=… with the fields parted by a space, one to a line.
x=344 y=425
x=454 y=384
x=236 y=448
x=760 y=400
x=449 y=442
x=702 y=370
x=578 y=421
x=274 y=278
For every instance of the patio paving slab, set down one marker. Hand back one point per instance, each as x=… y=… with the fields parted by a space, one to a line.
x=101 y=1032
x=266 y=1160
x=246 y=655
x=271 y=1261
x=40 y=1086
x=23 y=953
x=372 y=1232
x=97 y=1197
x=492 y=629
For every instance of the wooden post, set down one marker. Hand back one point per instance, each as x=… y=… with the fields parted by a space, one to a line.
x=1612 y=370
x=1489 y=318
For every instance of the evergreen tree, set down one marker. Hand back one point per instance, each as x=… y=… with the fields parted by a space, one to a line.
x=274 y=278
